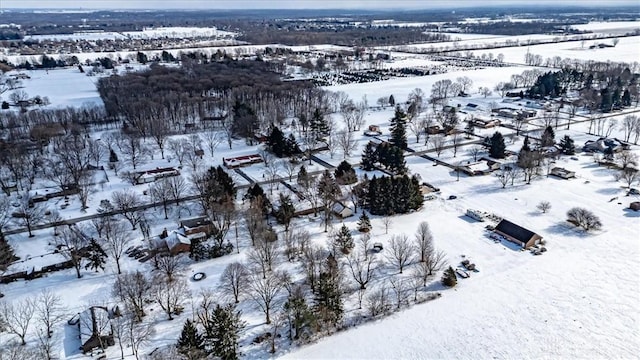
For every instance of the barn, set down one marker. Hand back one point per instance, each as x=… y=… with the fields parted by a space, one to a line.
x=517 y=234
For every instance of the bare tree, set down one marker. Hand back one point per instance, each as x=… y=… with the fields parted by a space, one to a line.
x=399 y=288
x=626 y=159
x=401 y=252
x=438 y=143
x=629 y=176
x=30 y=212
x=133 y=289
x=179 y=149
x=362 y=270
x=347 y=143
x=264 y=254
x=49 y=311
x=234 y=280
x=139 y=334
x=161 y=193
x=465 y=83
x=159 y=132
x=212 y=140
x=475 y=151
x=125 y=202
x=171 y=266
x=70 y=244
x=263 y=291
x=544 y=206
x=417 y=126
x=506 y=174
x=135 y=152
x=423 y=241
x=435 y=261
x=170 y=295
x=455 y=141
x=16 y=317
x=387 y=221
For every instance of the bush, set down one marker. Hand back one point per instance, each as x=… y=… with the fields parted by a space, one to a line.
x=584 y=218
x=449 y=277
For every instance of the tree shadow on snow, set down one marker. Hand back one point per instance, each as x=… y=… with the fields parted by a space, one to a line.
x=71 y=340
x=631 y=213
x=565 y=229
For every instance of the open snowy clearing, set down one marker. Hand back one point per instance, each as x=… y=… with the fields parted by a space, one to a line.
x=147 y=33
x=609 y=26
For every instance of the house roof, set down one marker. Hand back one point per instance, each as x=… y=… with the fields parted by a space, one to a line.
x=515 y=231
x=195 y=222
x=94 y=321
x=175 y=238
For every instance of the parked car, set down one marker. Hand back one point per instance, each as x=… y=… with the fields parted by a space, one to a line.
x=634 y=191
x=452 y=197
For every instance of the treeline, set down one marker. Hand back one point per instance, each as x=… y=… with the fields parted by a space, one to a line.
x=610 y=88
x=519 y=28
x=369 y=36
x=229 y=90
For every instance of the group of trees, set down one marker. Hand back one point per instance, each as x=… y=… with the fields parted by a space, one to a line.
x=391 y=195
x=386 y=155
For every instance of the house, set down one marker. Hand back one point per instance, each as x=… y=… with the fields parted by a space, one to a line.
x=604 y=145
x=562 y=173
x=433 y=129
x=341 y=210
x=485 y=123
x=472 y=107
x=517 y=234
x=95 y=328
x=483 y=166
x=200 y=224
x=475 y=214
x=172 y=243
x=240 y=161
x=635 y=206
x=149 y=176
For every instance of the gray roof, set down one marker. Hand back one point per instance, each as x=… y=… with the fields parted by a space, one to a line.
x=515 y=231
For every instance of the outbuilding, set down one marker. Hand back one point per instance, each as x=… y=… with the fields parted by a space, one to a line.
x=517 y=234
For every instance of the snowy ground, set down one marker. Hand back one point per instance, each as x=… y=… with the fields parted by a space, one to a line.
x=148 y=33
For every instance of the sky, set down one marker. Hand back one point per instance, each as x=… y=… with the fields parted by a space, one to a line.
x=288 y=4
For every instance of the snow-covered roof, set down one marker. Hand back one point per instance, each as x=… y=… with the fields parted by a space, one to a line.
x=94 y=321
x=175 y=238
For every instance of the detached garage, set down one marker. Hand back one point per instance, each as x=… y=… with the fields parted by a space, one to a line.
x=517 y=234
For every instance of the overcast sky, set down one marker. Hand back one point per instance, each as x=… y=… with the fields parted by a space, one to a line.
x=287 y=4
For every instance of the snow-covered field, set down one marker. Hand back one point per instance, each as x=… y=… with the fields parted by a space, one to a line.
x=609 y=27
x=147 y=33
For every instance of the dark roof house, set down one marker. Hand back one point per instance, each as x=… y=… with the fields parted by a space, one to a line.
x=95 y=328
x=517 y=234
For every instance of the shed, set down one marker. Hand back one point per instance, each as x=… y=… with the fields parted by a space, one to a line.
x=517 y=234
x=342 y=210
x=562 y=173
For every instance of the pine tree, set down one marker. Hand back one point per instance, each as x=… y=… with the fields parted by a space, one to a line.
x=191 y=342
x=255 y=193
x=328 y=302
x=369 y=157
x=276 y=142
x=396 y=162
x=343 y=240
x=223 y=331
x=6 y=253
x=329 y=191
x=567 y=145
x=319 y=125
x=113 y=157
x=96 y=256
x=219 y=186
x=303 y=177
x=497 y=149
x=285 y=212
x=398 y=129
x=392 y=100
x=548 y=137
x=449 y=277
x=364 y=225
x=301 y=318
x=345 y=174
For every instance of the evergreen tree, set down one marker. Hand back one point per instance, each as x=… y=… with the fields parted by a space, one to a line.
x=219 y=186
x=369 y=157
x=567 y=145
x=497 y=149
x=548 y=137
x=328 y=301
x=396 y=162
x=364 y=225
x=303 y=177
x=449 y=277
x=198 y=251
x=345 y=174
x=318 y=125
x=392 y=100
x=6 y=253
x=329 y=192
x=191 y=342
x=276 y=142
x=301 y=318
x=343 y=240
x=96 y=256
x=285 y=211
x=113 y=157
x=255 y=194
x=398 y=129
x=223 y=331
x=525 y=144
